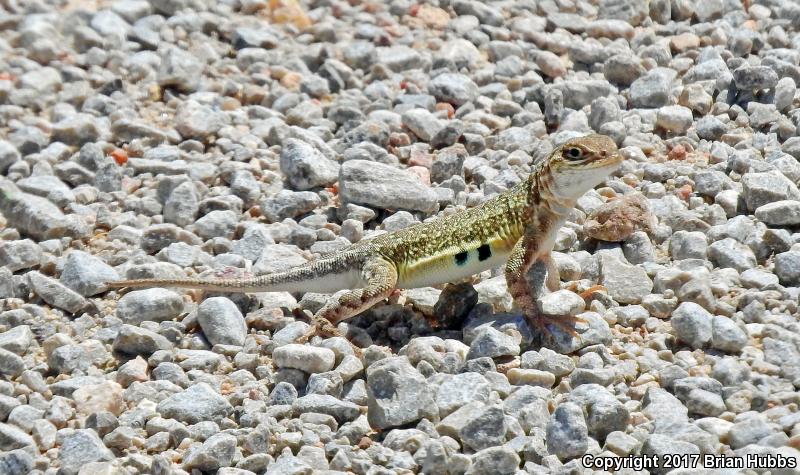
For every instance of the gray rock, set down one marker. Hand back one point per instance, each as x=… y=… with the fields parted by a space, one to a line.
x=44 y=80
x=692 y=324
x=561 y=302
x=17 y=339
x=422 y=123
x=763 y=188
x=461 y=52
x=485 y=13
x=218 y=223
x=492 y=343
x=7 y=285
x=12 y=437
x=785 y=91
x=454 y=88
x=676 y=119
x=149 y=305
x=622 y=69
x=493 y=461
x=459 y=390
x=342 y=411
x=283 y=393
x=705 y=403
x=253 y=242
x=108 y=177
x=133 y=340
x=625 y=283
x=398 y=394
x=48 y=186
x=36 y=216
x=246 y=37
x=20 y=254
x=289 y=204
x=11 y=365
x=660 y=446
x=730 y=372
x=383 y=186
x=787 y=267
x=633 y=13
x=399 y=58
x=688 y=245
x=158 y=236
x=311 y=359
x=197 y=403
x=731 y=253
x=663 y=408
x=710 y=128
x=726 y=335
x=179 y=69
x=77 y=129
x=631 y=315
x=486 y=429
x=29 y=140
x=182 y=204
x=567 y=434
x=748 y=431
x=8 y=155
x=55 y=293
x=305 y=167
x=16 y=462
x=751 y=78
x=652 y=90
x=86 y=274
x=757 y=278
x=603 y=412
x=222 y=322
x=217 y=451
x=81 y=447
x=779 y=213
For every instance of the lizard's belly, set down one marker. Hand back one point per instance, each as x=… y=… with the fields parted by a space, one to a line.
x=448 y=269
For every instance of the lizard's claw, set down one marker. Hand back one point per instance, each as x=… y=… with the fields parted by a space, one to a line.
x=586 y=294
x=565 y=323
x=321 y=327
x=324 y=328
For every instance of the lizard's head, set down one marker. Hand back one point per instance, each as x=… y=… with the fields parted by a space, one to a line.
x=582 y=163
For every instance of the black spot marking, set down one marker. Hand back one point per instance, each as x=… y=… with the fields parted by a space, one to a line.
x=484 y=252
x=461 y=258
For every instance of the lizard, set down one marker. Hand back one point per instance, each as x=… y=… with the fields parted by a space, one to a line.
x=516 y=228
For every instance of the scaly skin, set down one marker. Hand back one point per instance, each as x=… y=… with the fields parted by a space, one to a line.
x=520 y=224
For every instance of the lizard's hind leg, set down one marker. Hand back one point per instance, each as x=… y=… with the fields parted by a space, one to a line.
x=380 y=277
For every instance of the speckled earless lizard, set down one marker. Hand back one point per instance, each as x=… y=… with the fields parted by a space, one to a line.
x=517 y=228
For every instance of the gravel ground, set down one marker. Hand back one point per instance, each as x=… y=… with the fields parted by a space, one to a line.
x=173 y=138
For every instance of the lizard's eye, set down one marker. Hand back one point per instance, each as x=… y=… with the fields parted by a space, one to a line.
x=573 y=153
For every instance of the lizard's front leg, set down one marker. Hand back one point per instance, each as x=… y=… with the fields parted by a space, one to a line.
x=524 y=254
x=380 y=277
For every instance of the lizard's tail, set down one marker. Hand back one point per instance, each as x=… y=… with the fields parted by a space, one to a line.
x=256 y=284
x=324 y=276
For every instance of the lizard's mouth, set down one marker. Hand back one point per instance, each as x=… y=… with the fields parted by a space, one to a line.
x=613 y=159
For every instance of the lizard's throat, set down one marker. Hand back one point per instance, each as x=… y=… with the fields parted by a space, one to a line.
x=557 y=204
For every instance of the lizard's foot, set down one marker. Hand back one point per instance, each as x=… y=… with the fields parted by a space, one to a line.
x=586 y=294
x=324 y=328
x=321 y=327
x=565 y=323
